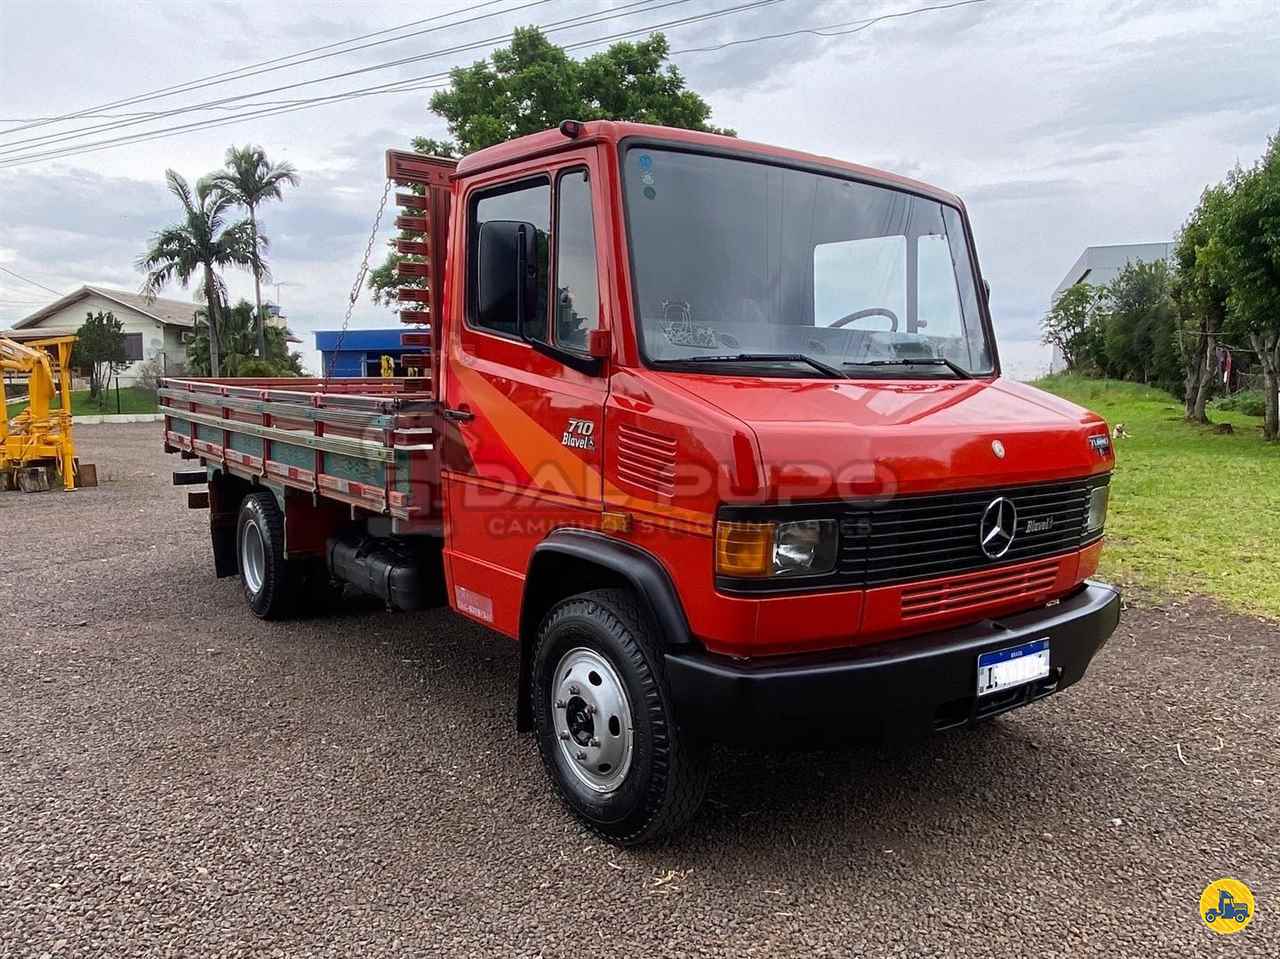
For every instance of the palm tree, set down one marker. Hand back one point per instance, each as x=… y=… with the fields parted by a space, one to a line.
x=201 y=244
x=249 y=179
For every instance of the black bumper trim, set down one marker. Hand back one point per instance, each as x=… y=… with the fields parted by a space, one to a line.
x=907 y=687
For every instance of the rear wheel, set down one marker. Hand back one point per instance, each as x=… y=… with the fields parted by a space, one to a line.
x=272 y=584
x=604 y=720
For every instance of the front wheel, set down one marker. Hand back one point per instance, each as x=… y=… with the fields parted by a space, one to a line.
x=604 y=720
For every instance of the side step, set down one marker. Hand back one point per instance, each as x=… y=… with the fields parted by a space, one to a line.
x=196 y=499
x=190 y=477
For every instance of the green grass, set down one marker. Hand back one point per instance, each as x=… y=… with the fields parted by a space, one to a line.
x=1191 y=510
x=133 y=399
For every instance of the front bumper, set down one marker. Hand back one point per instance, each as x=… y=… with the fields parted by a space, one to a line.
x=904 y=688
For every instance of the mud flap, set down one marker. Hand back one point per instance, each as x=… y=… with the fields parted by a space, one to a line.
x=224 y=502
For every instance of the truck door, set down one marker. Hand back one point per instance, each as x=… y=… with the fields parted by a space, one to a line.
x=522 y=454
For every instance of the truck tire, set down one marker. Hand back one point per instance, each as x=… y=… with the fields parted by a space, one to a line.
x=604 y=720
x=272 y=584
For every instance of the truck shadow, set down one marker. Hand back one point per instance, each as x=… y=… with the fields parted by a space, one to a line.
x=1015 y=774
x=880 y=797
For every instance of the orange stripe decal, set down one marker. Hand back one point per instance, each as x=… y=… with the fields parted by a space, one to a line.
x=553 y=467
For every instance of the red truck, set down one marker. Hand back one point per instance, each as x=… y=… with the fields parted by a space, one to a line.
x=714 y=430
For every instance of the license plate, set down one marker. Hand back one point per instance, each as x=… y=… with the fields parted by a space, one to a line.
x=1004 y=668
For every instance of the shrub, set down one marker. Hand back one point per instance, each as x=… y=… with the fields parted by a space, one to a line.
x=149 y=374
x=257 y=367
x=1248 y=402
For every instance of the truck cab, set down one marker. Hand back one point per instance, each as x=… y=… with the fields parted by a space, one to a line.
x=720 y=437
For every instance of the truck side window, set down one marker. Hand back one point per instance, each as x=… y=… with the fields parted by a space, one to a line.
x=525 y=202
x=577 y=301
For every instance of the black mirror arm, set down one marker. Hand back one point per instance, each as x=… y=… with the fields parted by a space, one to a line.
x=522 y=265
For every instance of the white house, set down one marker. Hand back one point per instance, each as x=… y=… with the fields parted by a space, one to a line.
x=158 y=328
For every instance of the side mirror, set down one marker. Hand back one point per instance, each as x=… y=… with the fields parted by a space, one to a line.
x=599 y=344
x=507 y=276
x=507 y=292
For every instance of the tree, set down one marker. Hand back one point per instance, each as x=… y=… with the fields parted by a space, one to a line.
x=249 y=180
x=533 y=84
x=201 y=244
x=1249 y=232
x=99 y=348
x=1199 y=290
x=1138 y=328
x=239 y=347
x=1071 y=324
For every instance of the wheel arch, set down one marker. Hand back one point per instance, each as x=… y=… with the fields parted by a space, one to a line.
x=569 y=562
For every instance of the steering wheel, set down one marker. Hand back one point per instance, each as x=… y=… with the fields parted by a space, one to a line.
x=861 y=314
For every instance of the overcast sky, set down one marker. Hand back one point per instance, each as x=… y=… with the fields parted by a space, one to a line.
x=1063 y=123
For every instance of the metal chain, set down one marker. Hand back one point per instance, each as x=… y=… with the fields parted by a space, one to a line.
x=360 y=275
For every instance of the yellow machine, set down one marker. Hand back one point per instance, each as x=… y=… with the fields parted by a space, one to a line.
x=39 y=435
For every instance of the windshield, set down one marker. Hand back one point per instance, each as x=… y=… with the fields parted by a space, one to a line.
x=737 y=261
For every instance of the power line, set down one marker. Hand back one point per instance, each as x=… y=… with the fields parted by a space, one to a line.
x=238 y=73
x=411 y=84
x=16 y=146
x=831 y=30
x=43 y=120
x=394 y=86
x=27 y=279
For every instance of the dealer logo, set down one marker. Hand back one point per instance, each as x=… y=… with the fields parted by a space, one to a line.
x=1227 y=905
x=998 y=527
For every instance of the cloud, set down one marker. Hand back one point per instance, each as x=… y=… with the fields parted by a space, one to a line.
x=1060 y=124
x=1017 y=191
x=1140 y=85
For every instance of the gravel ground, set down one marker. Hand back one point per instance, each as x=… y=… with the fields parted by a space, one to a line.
x=178 y=778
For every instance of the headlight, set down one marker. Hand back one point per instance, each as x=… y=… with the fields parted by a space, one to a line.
x=1098 y=509
x=801 y=548
x=804 y=547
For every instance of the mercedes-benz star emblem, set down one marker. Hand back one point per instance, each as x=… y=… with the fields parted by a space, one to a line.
x=998 y=526
x=998 y=448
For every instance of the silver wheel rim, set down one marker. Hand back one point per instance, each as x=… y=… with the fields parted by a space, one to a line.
x=253 y=558
x=592 y=718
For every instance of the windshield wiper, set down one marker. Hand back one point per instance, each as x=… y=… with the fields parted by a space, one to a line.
x=958 y=370
x=828 y=371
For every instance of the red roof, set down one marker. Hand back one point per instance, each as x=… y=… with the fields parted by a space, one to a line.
x=553 y=141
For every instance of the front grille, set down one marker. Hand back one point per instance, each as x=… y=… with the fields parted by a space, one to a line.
x=973 y=590
x=922 y=537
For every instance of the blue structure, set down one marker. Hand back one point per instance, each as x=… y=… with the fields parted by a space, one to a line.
x=360 y=352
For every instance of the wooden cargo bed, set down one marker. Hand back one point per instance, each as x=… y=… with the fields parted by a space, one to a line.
x=370 y=443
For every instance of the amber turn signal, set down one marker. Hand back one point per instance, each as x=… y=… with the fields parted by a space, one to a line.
x=744 y=549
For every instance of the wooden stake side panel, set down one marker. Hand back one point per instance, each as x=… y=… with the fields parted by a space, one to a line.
x=374 y=450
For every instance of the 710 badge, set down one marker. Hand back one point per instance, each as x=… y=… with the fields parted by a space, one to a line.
x=579 y=434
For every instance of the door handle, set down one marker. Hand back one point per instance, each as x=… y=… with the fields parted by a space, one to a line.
x=458 y=416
